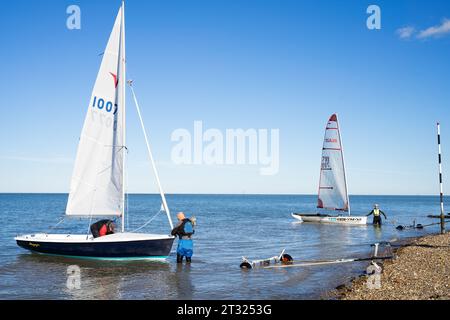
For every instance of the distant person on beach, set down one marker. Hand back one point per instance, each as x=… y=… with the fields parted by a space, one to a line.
x=377 y=215
x=184 y=230
x=102 y=228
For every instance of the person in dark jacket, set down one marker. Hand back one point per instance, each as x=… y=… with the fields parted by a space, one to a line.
x=102 y=228
x=377 y=215
x=184 y=230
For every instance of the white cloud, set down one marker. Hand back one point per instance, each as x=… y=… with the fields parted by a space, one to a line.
x=405 y=32
x=435 y=31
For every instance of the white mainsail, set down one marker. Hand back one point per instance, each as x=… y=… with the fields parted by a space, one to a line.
x=97 y=181
x=333 y=193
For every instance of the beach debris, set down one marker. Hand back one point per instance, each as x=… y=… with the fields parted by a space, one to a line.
x=447 y=216
x=412 y=226
x=289 y=262
x=283 y=258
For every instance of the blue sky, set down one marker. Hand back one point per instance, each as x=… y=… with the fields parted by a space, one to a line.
x=282 y=64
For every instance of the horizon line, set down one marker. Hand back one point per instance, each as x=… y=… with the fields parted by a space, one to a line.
x=242 y=194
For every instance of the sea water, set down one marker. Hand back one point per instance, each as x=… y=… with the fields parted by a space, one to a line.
x=228 y=227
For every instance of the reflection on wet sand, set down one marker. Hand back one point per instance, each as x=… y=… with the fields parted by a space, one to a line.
x=377 y=232
x=183 y=281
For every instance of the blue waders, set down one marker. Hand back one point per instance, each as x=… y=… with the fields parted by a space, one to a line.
x=185 y=244
x=185 y=249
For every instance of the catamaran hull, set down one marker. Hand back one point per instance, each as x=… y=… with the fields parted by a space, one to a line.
x=318 y=218
x=133 y=249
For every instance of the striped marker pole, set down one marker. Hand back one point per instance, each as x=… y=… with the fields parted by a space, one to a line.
x=440 y=179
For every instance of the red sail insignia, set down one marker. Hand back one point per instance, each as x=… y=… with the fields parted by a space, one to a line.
x=116 y=81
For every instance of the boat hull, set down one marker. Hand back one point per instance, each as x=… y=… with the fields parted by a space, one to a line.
x=297 y=217
x=324 y=218
x=116 y=247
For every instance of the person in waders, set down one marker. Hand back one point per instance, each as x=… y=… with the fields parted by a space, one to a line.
x=377 y=215
x=102 y=228
x=184 y=230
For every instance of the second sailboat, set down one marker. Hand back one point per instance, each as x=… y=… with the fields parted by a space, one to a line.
x=333 y=191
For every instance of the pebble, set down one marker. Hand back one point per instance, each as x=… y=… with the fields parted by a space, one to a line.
x=419 y=272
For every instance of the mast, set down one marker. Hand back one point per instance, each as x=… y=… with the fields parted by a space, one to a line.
x=122 y=88
x=343 y=164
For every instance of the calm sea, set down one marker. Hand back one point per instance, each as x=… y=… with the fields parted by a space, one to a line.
x=228 y=227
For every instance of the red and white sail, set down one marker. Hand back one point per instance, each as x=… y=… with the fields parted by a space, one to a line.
x=333 y=192
x=97 y=187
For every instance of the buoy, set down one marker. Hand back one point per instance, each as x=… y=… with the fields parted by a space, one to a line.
x=285 y=258
x=245 y=265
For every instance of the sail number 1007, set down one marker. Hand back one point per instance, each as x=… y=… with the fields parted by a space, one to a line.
x=101 y=104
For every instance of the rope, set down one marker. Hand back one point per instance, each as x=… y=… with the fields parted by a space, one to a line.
x=150 y=220
x=432 y=224
x=414 y=226
x=152 y=161
x=54 y=227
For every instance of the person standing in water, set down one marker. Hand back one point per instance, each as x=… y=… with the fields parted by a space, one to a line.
x=184 y=230
x=377 y=215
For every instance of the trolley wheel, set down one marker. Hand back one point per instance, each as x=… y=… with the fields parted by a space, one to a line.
x=419 y=226
x=400 y=227
x=285 y=258
x=245 y=265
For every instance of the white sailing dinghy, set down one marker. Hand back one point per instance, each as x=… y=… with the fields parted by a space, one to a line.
x=333 y=191
x=97 y=185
